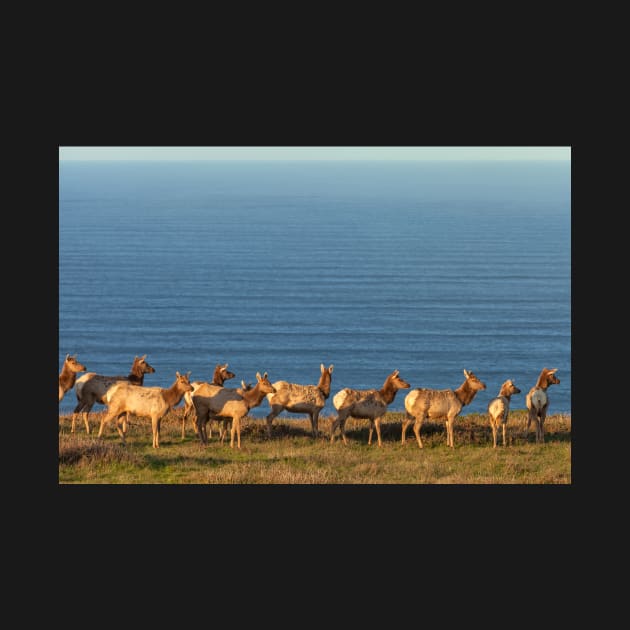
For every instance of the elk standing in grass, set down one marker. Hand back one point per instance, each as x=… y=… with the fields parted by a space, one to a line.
x=421 y=403
x=91 y=387
x=224 y=403
x=124 y=398
x=537 y=401
x=499 y=408
x=226 y=422
x=295 y=398
x=366 y=404
x=219 y=376
x=68 y=374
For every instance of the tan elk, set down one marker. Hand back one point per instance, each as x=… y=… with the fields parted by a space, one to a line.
x=227 y=422
x=436 y=404
x=537 y=402
x=366 y=404
x=228 y=404
x=295 y=398
x=154 y=402
x=219 y=376
x=499 y=408
x=91 y=387
x=68 y=374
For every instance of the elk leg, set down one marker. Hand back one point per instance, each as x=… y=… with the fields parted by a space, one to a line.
x=335 y=424
x=76 y=411
x=200 y=421
x=104 y=420
x=85 y=421
x=343 y=430
x=405 y=425
x=275 y=410
x=416 y=429
x=377 y=424
x=122 y=431
x=370 y=432
x=155 y=426
x=236 y=429
x=504 y=429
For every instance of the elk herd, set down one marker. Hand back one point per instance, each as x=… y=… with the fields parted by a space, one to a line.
x=208 y=402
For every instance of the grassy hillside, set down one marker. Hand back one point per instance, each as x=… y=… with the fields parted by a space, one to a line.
x=292 y=456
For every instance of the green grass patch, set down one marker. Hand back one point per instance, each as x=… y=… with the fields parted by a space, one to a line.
x=293 y=456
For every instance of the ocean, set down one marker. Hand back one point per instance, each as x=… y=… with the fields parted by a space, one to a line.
x=431 y=268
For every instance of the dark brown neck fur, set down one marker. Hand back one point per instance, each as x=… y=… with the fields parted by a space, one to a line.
x=388 y=391
x=218 y=377
x=542 y=382
x=136 y=376
x=465 y=393
x=324 y=383
x=67 y=378
x=253 y=397
x=136 y=379
x=173 y=394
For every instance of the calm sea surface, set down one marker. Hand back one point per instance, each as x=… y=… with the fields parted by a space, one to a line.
x=426 y=267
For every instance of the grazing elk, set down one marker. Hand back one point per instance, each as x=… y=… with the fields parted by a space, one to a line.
x=295 y=398
x=228 y=405
x=421 y=403
x=124 y=398
x=219 y=376
x=91 y=387
x=499 y=408
x=68 y=374
x=366 y=404
x=537 y=401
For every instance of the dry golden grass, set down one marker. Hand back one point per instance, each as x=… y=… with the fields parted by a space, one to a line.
x=292 y=456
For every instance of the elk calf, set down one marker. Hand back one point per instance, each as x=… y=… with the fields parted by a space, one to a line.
x=499 y=408
x=228 y=404
x=154 y=402
x=446 y=404
x=537 y=401
x=68 y=374
x=295 y=398
x=367 y=404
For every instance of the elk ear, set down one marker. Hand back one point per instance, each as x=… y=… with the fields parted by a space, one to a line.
x=67 y=355
x=322 y=369
x=142 y=358
x=265 y=376
x=330 y=369
x=258 y=376
x=395 y=372
x=178 y=375
x=243 y=385
x=225 y=366
x=466 y=374
x=553 y=371
x=188 y=375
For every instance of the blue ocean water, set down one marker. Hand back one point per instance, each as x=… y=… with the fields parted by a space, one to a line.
x=426 y=267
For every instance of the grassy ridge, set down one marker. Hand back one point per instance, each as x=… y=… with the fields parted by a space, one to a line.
x=292 y=456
